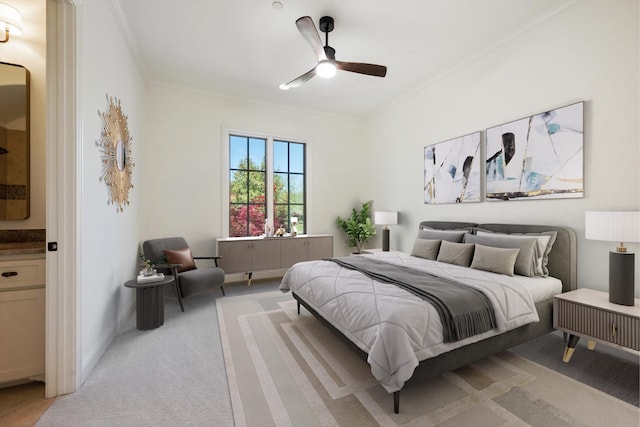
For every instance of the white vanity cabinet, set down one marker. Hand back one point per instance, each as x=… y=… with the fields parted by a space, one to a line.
x=22 y=319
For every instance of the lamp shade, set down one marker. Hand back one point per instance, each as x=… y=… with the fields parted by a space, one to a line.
x=10 y=19
x=613 y=226
x=385 y=217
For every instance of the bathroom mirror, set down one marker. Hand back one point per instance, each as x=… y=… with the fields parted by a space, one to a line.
x=14 y=142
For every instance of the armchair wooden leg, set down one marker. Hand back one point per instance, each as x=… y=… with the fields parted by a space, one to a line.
x=179 y=295
x=177 y=281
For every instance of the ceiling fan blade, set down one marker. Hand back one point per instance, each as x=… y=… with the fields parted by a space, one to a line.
x=299 y=80
x=308 y=30
x=362 y=68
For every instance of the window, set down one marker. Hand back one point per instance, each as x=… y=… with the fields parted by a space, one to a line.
x=265 y=176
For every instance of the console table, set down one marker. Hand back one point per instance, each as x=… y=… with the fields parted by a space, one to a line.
x=588 y=313
x=149 y=302
x=270 y=254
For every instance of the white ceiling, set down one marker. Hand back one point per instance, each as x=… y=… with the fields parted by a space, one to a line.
x=247 y=48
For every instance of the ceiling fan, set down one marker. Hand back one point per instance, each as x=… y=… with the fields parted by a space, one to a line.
x=327 y=63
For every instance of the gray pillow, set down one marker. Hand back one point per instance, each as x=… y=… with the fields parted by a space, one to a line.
x=455 y=253
x=450 y=235
x=497 y=260
x=545 y=244
x=527 y=259
x=426 y=248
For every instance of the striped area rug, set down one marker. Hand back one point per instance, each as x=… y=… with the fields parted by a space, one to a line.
x=286 y=369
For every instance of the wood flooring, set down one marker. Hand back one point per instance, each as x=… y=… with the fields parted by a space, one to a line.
x=23 y=405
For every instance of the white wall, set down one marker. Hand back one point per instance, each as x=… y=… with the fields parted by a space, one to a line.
x=177 y=176
x=589 y=51
x=29 y=50
x=107 y=255
x=181 y=171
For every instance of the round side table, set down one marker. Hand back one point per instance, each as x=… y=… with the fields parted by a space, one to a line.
x=149 y=302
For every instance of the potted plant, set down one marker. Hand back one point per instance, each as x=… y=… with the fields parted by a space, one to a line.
x=358 y=227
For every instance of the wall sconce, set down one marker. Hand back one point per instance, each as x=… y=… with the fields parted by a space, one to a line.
x=385 y=218
x=617 y=227
x=10 y=21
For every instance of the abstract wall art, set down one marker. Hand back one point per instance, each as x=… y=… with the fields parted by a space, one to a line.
x=537 y=157
x=452 y=170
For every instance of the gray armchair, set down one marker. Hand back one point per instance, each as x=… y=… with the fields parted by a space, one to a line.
x=172 y=255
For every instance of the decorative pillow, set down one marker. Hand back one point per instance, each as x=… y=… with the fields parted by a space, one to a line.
x=528 y=249
x=181 y=256
x=455 y=253
x=497 y=260
x=546 y=239
x=450 y=235
x=426 y=248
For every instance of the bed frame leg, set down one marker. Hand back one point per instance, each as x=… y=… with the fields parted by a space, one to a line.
x=298 y=307
x=396 y=402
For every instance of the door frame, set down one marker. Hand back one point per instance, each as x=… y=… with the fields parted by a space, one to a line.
x=62 y=196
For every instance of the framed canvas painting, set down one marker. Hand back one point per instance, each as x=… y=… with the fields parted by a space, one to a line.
x=537 y=157
x=452 y=170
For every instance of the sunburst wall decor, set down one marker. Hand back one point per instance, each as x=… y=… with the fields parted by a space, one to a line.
x=117 y=163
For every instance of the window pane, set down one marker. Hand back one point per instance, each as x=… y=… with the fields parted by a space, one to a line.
x=280 y=188
x=298 y=212
x=238 y=190
x=296 y=158
x=257 y=150
x=280 y=156
x=296 y=188
x=256 y=219
x=237 y=152
x=281 y=216
x=256 y=187
x=237 y=220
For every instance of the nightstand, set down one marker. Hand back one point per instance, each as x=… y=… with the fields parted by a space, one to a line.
x=588 y=313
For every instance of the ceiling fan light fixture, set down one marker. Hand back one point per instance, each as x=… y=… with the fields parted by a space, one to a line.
x=326 y=69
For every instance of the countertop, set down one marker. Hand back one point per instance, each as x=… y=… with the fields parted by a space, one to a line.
x=22 y=248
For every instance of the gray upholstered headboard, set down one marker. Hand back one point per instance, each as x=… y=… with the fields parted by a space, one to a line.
x=562 y=258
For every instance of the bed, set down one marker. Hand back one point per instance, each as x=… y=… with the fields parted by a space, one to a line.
x=401 y=330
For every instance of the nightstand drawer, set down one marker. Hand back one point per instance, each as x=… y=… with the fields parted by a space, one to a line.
x=597 y=323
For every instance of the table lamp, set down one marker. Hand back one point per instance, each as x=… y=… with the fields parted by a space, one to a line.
x=618 y=226
x=385 y=218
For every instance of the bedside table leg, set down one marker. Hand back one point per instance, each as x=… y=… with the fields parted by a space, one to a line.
x=591 y=345
x=571 y=347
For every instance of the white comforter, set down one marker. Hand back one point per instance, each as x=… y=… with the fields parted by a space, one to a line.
x=396 y=328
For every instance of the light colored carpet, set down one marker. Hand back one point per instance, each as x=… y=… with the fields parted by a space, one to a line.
x=170 y=376
x=289 y=369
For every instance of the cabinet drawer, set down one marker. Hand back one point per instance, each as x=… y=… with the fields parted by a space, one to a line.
x=22 y=274
x=22 y=334
x=597 y=323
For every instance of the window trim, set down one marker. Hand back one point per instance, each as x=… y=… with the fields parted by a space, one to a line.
x=270 y=137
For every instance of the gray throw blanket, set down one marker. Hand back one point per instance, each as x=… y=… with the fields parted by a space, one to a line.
x=463 y=311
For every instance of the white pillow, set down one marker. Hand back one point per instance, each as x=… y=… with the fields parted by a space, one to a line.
x=528 y=255
x=545 y=244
